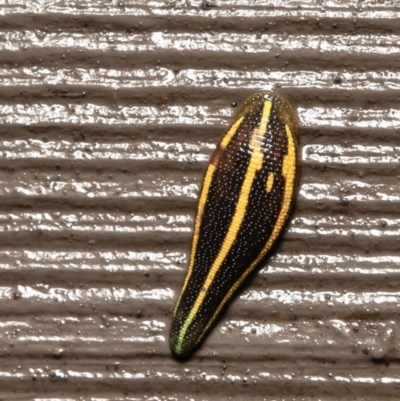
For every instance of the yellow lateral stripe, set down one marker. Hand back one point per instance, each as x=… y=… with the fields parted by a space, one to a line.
x=270 y=182
x=227 y=138
x=289 y=172
x=202 y=202
x=255 y=165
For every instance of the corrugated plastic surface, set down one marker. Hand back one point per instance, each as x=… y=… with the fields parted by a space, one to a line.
x=109 y=112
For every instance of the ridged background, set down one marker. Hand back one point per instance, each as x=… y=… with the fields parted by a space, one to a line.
x=109 y=111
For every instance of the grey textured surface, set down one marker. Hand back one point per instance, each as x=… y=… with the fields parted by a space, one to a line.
x=109 y=111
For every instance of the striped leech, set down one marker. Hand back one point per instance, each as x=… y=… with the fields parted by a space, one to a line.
x=247 y=194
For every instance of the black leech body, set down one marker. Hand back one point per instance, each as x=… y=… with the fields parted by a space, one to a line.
x=247 y=194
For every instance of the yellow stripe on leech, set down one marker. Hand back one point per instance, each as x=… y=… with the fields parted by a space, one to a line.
x=289 y=173
x=255 y=165
x=227 y=138
x=202 y=202
x=270 y=182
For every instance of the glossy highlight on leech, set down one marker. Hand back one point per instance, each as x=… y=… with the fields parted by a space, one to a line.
x=246 y=197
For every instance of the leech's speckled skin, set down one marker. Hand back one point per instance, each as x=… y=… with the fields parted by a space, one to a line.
x=247 y=194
